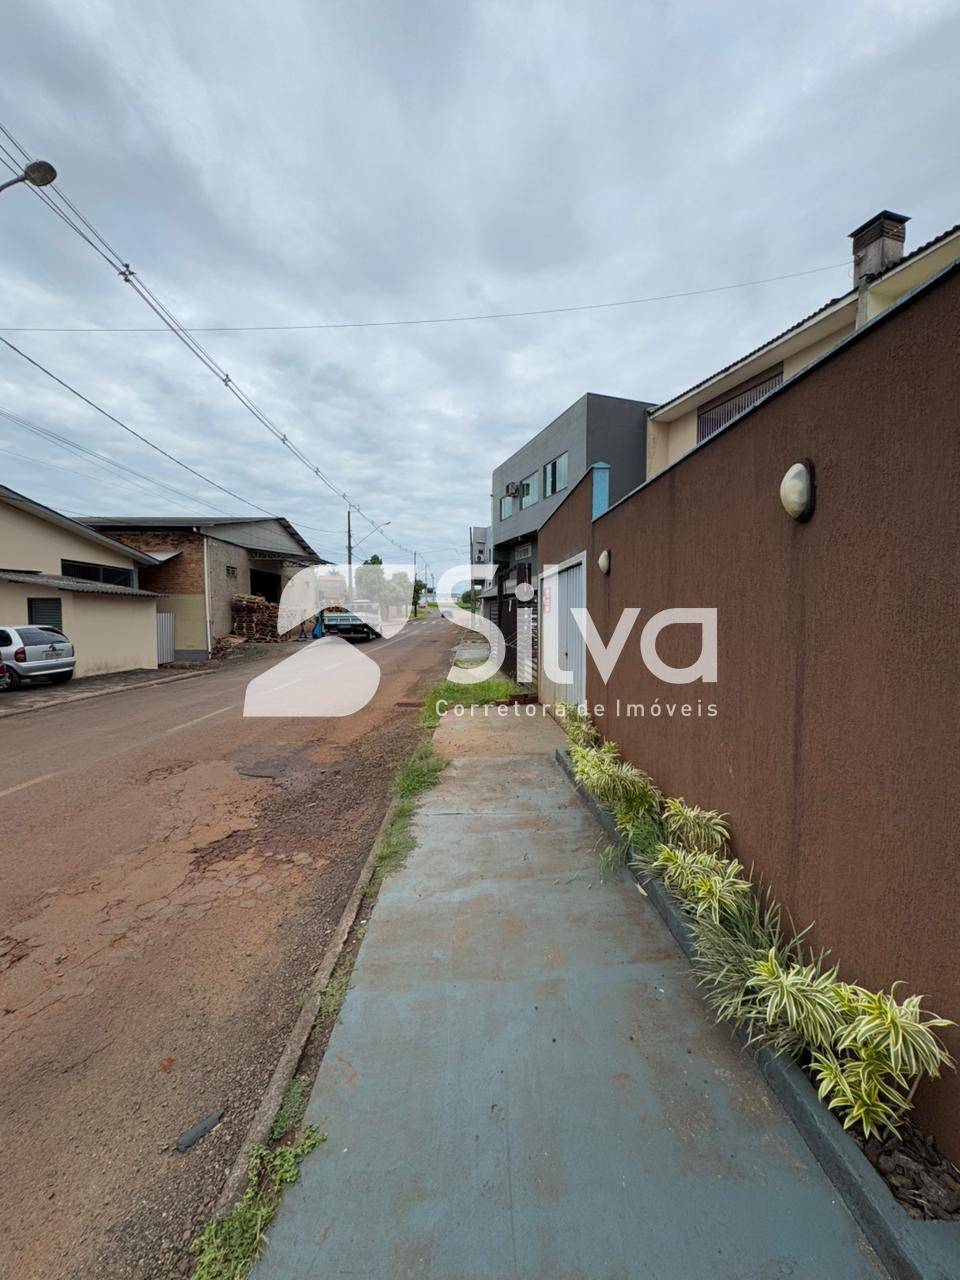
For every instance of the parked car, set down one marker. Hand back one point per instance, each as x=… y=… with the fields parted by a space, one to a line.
x=27 y=652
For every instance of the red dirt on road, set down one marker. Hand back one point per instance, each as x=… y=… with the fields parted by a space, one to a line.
x=171 y=874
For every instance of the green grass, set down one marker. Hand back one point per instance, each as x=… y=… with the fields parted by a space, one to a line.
x=421 y=771
x=396 y=842
x=333 y=995
x=496 y=689
x=291 y=1109
x=228 y=1247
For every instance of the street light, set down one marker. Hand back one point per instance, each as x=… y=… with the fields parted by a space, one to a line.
x=351 y=545
x=372 y=532
x=39 y=173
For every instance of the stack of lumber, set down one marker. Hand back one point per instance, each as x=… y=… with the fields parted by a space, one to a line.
x=254 y=618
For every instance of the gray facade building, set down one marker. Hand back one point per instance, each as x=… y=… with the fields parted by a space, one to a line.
x=529 y=486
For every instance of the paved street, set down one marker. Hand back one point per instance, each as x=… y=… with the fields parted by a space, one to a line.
x=171 y=873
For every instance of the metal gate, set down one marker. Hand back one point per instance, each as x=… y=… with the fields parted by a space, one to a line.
x=563 y=592
x=165 y=635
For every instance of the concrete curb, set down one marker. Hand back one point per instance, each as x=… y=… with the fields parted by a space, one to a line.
x=259 y=1128
x=908 y=1248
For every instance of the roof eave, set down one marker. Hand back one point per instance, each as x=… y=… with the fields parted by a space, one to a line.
x=827 y=319
x=32 y=507
x=942 y=246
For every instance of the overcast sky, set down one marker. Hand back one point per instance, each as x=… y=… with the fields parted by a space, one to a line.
x=305 y=161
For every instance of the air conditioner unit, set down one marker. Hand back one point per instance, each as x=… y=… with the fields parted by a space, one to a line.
x=512 y=489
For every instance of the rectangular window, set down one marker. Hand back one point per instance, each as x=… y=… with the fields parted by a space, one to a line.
x=555 y=476
x=40 y=634
x=506 y=507
x=231 y=570
x=97 y=572
x=45 y=611
x=718 y=413
x=530 y=490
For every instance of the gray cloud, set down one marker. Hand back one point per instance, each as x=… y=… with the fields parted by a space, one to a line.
x=291 y=162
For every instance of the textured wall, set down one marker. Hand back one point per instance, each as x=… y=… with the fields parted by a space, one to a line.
x=181 y=575
x=835 y=749
x=30 y=542
x=222 y=589
x=109 y=633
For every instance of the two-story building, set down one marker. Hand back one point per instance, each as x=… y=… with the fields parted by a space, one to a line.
x=529 y=486
x=481 y=551
x=882 y=275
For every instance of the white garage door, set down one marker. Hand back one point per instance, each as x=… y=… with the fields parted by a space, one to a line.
x=560 y=594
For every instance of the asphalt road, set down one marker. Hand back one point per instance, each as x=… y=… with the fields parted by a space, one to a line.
x=170 y=873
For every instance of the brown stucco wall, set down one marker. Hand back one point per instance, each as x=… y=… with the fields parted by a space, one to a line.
x=568 y=531
x=835 y=748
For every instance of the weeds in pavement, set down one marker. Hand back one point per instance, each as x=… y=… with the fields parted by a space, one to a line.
x=291 y=1109
x=496 y=689
x=228 y=1247
x=395 y=843
x=419 y=772
x=333 y=995
x=414 y=776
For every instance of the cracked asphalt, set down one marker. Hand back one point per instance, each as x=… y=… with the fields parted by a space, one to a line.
x=171 y=873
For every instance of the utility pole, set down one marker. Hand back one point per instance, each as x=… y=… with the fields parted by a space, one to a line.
x=351 y=546
x=414 y=584
x=349 y=560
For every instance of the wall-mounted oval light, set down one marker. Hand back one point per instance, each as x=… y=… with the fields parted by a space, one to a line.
x=603 y=562
x=798 y=490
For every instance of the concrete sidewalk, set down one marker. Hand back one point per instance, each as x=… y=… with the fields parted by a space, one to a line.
x=525 y=1081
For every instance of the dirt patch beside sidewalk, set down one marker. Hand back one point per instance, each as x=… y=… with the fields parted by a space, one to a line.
x=178 y=895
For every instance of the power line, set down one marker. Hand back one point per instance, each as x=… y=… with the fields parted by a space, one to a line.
x=85 y=229
x=459 y=319
x=64 y=442
x=47 y=434
x=82 y=226
x=116 y=482
x=144 y=439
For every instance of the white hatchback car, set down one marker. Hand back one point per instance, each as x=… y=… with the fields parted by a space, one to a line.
x=27 y=652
